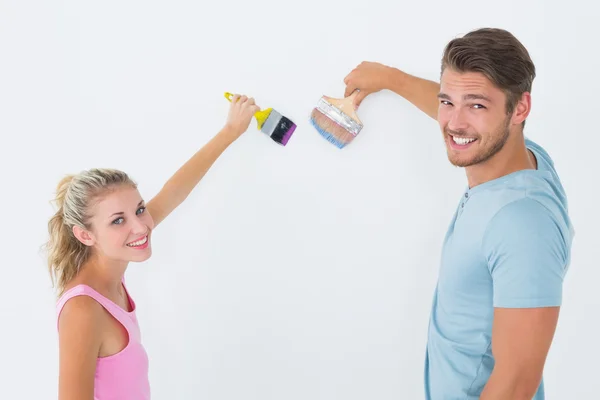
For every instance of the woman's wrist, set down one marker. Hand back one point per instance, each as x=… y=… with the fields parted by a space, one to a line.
x=229 y=133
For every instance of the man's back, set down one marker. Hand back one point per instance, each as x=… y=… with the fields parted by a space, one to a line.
x=508 y=245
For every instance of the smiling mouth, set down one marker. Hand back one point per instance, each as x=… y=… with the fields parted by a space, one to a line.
x=138 y=242
x=462 y=140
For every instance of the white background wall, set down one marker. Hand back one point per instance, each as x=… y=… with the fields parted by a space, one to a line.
x=302 y=272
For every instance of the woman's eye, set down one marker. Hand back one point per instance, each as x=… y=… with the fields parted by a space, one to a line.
x=118 y=221
x=140 y=210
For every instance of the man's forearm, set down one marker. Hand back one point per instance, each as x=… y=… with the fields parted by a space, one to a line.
x=509 y=385
x=420 y=92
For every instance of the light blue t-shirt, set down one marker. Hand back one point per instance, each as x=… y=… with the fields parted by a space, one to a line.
x=508 y=245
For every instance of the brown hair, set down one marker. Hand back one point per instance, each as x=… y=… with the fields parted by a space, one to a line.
x=498 y=55
x=74 y=196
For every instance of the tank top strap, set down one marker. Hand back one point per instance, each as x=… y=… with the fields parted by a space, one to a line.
x=85 y=290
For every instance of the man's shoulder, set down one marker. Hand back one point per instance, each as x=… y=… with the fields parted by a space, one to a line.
x=523 y=195
x=524 y=210
x=528 y=219
x=545 y=163
x=538 y=149
x=542 y=186
x=529 y=211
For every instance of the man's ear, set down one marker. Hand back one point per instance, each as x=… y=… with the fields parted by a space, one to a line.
x=522 y=109
x=83 y=235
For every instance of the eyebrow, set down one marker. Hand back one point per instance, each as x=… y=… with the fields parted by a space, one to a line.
x=121 y=212
x=466 y=97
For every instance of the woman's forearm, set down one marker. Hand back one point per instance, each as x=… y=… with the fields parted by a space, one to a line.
x=185 y=179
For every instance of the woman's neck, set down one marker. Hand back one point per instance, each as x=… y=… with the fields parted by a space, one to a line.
x=103 y=274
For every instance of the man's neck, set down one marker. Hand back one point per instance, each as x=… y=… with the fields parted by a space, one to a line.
x=513 y=157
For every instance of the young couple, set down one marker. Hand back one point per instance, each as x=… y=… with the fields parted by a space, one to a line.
x=495 y=307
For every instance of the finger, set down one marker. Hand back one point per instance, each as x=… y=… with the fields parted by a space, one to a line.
x=255 y=109
x=351 y=74
x=251 y=101
x=359 y=98
x=235 y=98
x=351 y=87
x=238 y=98
x=243 y=99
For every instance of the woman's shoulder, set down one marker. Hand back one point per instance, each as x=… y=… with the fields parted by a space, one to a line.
x=79 y=311
x=78 y=307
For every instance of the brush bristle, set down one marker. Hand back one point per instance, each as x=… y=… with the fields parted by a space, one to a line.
x=330 y=130
x=278 y=127
x=284 y=130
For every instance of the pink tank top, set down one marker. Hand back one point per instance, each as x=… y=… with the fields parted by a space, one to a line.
x=123 y=375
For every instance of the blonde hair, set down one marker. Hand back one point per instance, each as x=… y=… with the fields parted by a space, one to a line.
x=74 y=196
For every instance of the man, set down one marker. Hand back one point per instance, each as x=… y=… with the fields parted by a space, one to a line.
x=507 y=250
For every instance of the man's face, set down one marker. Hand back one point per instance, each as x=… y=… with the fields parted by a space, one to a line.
x=472 y=116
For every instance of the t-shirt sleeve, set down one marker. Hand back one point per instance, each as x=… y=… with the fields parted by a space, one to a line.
x=526 y=254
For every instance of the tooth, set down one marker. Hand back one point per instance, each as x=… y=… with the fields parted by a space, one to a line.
x=462 y=141
x=139 y=242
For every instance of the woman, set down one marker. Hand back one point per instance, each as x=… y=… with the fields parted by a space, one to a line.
x=100 y=226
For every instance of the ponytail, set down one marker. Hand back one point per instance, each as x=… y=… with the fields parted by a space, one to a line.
x=66 y=254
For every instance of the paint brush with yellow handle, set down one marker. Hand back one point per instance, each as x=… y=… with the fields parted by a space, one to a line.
x=276 y=126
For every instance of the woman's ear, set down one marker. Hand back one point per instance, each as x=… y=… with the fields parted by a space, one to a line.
x=83 y=235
